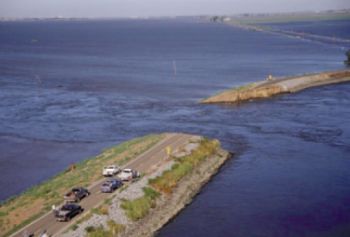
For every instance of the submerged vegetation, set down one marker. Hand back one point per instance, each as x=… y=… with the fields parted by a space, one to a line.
x=170 y=178
x=18 y=211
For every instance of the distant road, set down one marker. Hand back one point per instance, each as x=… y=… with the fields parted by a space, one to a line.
x=142 y=163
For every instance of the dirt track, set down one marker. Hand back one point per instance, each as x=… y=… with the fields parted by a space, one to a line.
x=142 y=163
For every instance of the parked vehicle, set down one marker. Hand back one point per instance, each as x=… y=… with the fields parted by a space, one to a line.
x=68 y=211
x=110 y=185
x=76 y=194
x=128 y=174
x=110 y=170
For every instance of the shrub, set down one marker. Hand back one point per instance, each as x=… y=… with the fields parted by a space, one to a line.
x=89 y=229
x=74 y=227
x=139 y=208
x=97 y=232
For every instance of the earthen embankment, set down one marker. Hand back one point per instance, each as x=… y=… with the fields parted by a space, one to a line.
x=275 y=86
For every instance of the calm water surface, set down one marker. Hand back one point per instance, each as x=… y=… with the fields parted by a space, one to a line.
x=70 y=89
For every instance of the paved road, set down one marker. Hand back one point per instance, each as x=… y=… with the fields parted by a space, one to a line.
x=143 y=163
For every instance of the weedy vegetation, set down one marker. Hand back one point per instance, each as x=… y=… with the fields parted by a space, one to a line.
x=114 y=229
x=139 y=208
x=170 y=178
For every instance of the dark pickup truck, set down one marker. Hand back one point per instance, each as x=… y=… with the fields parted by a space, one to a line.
x=68 y=211
x=76 y=194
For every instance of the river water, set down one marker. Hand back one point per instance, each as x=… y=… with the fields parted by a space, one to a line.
x=70 y=89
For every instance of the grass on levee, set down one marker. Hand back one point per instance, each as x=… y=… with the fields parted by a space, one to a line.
x=20 y=210
x=138 y=208
x=114 y=229
x=169 y=179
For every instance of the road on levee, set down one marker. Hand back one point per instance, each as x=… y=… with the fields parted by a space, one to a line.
x=143 y=163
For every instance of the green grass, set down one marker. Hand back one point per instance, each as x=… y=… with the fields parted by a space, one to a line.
x=84 y=218
x=114 y=229
x=97 y=232
x=139 y=208
x=84 y=173
x=101 y=210
x=74 y=227
x=170 y=178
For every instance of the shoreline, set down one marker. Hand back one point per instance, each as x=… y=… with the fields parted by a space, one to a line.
x=276 y=86
x=33 y=206
x=170 y=206
x=142 y=219
x=168 y=183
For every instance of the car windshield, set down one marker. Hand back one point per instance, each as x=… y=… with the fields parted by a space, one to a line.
x=127 y=171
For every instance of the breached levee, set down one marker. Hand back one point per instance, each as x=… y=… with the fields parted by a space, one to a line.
x=144 y=206
x=271 y=87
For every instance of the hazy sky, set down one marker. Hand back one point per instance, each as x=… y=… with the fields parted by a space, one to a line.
x=126 y=8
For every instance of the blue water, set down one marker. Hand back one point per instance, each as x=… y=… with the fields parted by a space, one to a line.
x=331 y=28
x=70 y=89
x=332 y=32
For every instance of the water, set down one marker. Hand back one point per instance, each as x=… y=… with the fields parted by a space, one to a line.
x=333 y=32
x=70 y=89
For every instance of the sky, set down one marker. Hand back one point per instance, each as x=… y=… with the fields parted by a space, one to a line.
x=143 y=8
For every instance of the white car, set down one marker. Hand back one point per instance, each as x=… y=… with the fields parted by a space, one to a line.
x=128 y=174
x=110 y=170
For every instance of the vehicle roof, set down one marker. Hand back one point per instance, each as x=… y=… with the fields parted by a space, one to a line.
x=127 y=170
x=112 y=180
x=70 y=205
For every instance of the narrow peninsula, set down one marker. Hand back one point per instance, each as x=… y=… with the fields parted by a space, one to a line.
x=274 y=86
x=172 y=168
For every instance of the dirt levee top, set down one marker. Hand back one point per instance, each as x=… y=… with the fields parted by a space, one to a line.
x=274 y=86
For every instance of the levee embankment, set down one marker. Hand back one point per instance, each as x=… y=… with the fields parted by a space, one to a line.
x=276 y=86
x=140 y=208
